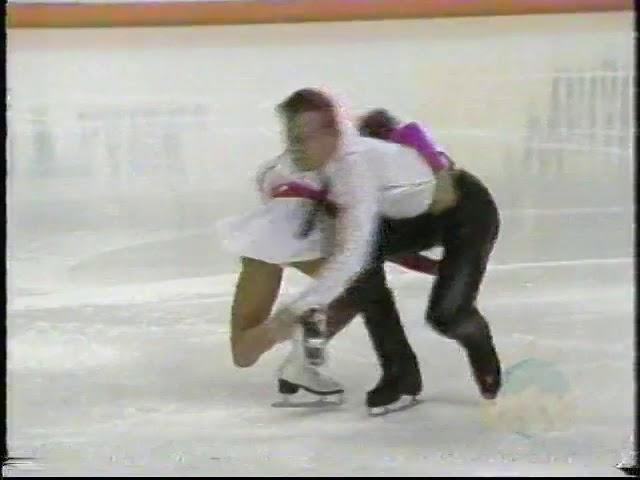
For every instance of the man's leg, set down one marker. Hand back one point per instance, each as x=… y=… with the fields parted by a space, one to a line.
x=400 y=369
x=371 y=296
x=452 y=312
x=469 y=237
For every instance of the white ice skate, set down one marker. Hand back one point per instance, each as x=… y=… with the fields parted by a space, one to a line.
x=297 y=373
x=314 y=336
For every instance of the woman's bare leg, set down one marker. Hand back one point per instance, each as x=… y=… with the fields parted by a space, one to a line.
x=256 y=291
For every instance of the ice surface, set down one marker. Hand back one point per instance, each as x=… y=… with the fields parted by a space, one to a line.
x=126 y=146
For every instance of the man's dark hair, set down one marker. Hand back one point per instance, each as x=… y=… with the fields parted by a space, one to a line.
x=307 y=100
x=378 y=123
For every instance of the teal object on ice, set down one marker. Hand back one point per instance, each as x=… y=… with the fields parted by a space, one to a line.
x=536 y=374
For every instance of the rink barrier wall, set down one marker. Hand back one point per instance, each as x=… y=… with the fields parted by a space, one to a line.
x=172 y=13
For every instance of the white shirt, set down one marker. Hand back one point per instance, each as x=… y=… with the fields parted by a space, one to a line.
x=368 y=178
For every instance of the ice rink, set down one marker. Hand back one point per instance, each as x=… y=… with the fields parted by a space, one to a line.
x=126 y=146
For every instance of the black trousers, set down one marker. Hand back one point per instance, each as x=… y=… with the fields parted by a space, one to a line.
x=467 y=232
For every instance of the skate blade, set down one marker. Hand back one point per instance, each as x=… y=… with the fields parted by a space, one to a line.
x=627 y=469
x=318 y=403
x=405 y=403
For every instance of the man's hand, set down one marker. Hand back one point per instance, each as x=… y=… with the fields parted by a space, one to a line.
x=282 y=323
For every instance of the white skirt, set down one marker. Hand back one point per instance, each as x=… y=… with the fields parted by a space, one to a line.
x=269 y=233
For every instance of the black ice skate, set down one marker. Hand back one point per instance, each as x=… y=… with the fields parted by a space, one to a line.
x=398 y=388
x=476 y=338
